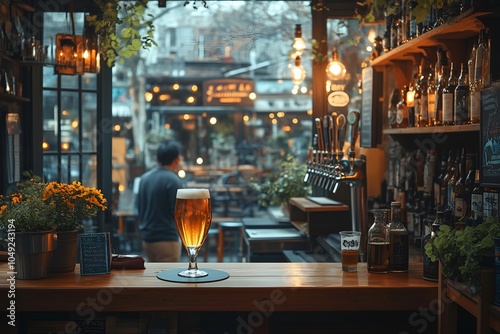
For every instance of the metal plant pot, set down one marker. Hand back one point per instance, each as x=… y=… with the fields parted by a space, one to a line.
x=34 y=253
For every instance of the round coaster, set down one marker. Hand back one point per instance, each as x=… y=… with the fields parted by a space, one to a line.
x=172 y=276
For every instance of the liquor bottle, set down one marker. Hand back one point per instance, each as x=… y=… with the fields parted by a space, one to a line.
x=469 y=185
x=398 y=241
x=410 y=105
x=402 y=110
x=443 y=192
x=378 y=243
x=431 y=268
x=442 y=82
x=438 y=181
x=462 y=98
x=482 y=68
x=431 y=97
x=421 y=105
x=474 y=94
x=455 y=171
x=448 y=97
x=460 y=204
x=429 y=170
x=477 y=201
x=393 y=106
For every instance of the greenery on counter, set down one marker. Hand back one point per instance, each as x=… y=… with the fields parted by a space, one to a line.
x=462 y=253
x=284 y=182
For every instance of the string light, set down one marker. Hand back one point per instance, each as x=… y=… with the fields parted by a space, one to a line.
x=335 y=70
x=298 y=72
x=299 y=45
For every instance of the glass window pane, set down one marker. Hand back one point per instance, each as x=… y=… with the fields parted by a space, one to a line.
x=89 y=163
x=89 y=122
x=50 y=168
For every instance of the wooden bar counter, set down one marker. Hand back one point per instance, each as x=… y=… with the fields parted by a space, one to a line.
x=282 y=289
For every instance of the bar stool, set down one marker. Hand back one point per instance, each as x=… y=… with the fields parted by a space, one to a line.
x=213 y=233
x=231 y=226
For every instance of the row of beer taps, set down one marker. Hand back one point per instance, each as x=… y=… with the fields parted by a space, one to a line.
x=326 y=165
x=327 y=168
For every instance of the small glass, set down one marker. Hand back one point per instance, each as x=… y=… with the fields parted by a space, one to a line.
x=349 y=244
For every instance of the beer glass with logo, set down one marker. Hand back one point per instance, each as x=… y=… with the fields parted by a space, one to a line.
x=193 y=216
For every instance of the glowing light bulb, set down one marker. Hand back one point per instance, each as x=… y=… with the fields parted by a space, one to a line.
x=335 y=70
x=298 y=72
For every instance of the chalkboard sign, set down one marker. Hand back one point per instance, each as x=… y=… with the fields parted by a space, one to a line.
x=490 y=137
x=371 y=124
x=95 y=253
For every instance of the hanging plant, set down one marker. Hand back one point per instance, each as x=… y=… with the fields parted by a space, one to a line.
x=131 y=18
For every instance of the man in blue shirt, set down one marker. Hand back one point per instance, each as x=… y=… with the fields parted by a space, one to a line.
x=156 y=205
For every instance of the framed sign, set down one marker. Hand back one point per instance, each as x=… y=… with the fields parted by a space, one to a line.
x=490 y=137
x=371 y=116
x=95 y=253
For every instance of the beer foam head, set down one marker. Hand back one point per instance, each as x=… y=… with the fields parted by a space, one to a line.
x=193 y=193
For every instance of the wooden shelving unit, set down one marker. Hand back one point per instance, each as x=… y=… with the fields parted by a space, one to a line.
x=453 y=295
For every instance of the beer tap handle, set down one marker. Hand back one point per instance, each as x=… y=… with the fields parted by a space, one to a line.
x=341 y=122
x=326 y=134
x=332 y=130
x=319 y=131
x=353 y=120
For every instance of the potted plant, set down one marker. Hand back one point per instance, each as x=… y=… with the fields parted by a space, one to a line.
x=285 y=182
x=463 y=253
x=73 y=202
x=29 y=222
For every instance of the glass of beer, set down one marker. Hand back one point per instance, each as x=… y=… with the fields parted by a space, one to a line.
x=193 y=216
x=349 y=244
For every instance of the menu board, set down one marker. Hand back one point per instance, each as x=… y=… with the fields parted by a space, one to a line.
x=490 y=136
x=95 y=253
x=370 y=125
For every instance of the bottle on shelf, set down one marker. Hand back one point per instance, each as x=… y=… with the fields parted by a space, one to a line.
x=449 y=97
x=482 y=68
x=410 y=105
x=477 y=201
x=398 y=241
x=461 y=98
x=378 y=243
x=460 y=202
x=438 y=181
x=421 y=111
x=455 y=171
x=429 y=171
x=393 y=108
x=443 y=192
x=469 y=186
x=402 y=110
x=442 y=73
x=431 y=268
x=431 y=97
x=474 y=99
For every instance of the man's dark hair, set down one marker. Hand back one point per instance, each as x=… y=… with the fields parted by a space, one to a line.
x=168 y=151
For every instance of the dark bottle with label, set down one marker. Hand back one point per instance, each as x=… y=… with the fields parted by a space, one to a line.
x=443 y=192
x=460 y=203
x=431 y=268
x=462 y=98
x=378 y=243
x=398 y=241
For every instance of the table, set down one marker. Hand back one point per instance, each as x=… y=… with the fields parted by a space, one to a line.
x=278 y=288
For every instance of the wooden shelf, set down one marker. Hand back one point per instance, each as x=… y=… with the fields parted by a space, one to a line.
x=461 y=27
x=453 y=294
x=433 y=129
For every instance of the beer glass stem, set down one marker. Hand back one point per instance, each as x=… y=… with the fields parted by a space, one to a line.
x=192 y=254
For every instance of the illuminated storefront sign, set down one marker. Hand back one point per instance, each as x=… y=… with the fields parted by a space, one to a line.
x=228 y=92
